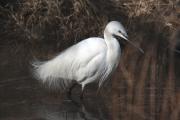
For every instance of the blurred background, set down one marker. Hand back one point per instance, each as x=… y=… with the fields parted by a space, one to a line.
x=144 y=87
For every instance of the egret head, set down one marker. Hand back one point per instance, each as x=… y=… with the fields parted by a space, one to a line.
x=115 y=28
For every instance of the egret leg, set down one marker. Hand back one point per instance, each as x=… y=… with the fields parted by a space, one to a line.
x=70 y=91
x=82 y=93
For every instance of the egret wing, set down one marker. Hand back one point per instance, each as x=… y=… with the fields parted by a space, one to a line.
x=62 y=70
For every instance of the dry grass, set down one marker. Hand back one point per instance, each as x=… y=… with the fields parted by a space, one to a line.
x=144 y=85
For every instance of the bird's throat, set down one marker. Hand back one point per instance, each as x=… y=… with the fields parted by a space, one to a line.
x=113 y=51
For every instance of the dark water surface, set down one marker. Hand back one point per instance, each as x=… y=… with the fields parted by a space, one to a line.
x=24 y=99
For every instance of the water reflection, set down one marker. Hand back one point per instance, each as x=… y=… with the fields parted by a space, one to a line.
x=69 y=110
x=26 y=100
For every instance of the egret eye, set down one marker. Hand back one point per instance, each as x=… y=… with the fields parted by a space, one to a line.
x=120 y=31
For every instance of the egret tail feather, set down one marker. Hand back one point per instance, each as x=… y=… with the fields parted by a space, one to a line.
x=43 y=71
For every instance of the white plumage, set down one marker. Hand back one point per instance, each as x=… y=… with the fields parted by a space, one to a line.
x=92 y=59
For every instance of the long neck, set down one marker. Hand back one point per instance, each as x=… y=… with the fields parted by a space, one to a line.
x=114 y=51
x=111 y=42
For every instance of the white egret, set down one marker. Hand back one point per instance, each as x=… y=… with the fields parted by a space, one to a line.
x=90 y=60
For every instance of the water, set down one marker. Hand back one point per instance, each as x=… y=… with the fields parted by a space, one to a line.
x=24 y=98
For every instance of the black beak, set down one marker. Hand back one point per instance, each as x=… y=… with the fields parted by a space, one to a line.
x=125 y=39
